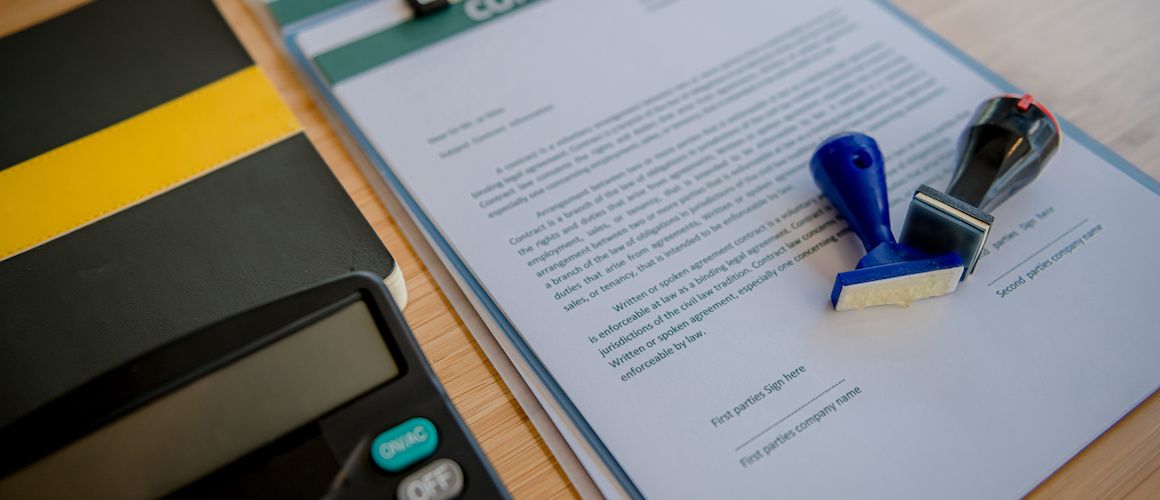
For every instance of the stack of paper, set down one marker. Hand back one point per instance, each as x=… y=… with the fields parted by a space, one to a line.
x=622 y=189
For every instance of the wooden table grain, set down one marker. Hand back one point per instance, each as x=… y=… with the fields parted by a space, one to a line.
x=1094 y=62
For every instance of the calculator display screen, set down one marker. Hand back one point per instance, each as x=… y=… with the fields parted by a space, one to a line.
x=220 y=417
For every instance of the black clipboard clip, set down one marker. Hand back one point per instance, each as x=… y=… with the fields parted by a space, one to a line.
x=425 y=7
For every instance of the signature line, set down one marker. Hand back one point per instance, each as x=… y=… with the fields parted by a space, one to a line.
x=783 y=419
x=1037 y=252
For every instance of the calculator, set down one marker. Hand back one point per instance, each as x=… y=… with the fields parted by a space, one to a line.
x=320 y=394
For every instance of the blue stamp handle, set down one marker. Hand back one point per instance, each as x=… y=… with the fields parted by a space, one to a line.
x=848 y=168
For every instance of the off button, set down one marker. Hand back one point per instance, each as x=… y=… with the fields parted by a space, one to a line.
x=404 y=444
x=439 y=480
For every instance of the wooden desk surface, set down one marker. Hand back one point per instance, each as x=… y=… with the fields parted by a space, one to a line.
x=1093 y=61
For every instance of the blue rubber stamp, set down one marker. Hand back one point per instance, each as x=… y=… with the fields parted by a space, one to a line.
x=848 y=168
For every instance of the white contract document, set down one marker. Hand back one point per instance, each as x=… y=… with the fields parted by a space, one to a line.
x=622 y=187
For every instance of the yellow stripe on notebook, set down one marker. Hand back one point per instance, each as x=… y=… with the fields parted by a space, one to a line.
x=95 y=176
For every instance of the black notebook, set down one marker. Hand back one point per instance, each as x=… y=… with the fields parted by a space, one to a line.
x=151 y=182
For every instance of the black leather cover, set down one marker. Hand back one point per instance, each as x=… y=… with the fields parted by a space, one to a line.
x=103 y=63
x=255 y=230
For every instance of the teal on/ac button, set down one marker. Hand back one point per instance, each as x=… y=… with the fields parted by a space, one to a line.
x=404 y=444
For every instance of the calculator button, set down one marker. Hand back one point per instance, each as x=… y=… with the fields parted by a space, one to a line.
x=439 y=480
x=404 y=444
